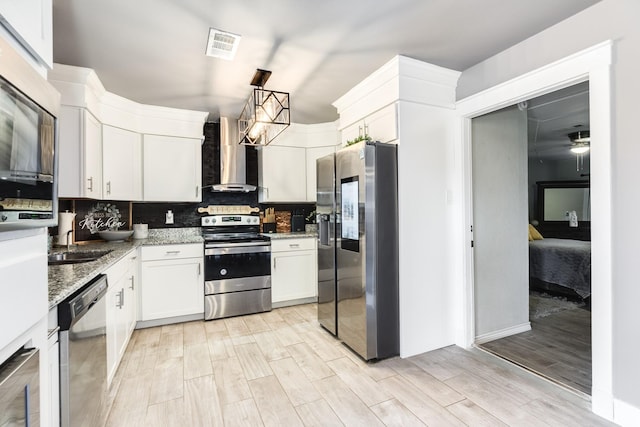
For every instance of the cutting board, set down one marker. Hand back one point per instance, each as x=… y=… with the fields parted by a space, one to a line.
x=228 y=209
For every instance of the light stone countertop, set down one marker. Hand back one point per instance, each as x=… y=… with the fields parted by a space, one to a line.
x=293 y=235
x=66 y=279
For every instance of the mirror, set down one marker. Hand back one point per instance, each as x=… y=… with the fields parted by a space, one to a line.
x=557 y=198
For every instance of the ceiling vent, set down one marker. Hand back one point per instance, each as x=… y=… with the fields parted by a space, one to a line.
x=222 y=44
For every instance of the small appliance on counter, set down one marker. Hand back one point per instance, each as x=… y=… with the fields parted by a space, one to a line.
x=297 y=222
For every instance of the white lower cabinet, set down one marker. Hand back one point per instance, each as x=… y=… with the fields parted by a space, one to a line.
x=54 y=379
x=172 y=281
x=121 y=309
x=293 y=271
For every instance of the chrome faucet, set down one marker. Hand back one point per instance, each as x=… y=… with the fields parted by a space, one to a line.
x=68 y=243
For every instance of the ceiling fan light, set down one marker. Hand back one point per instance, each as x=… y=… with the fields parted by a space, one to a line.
x=581 y=136
x=580 y=148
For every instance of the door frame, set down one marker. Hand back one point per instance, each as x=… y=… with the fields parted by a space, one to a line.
x=592 y=64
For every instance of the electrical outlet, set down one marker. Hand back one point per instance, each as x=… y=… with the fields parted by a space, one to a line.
x=168 y=218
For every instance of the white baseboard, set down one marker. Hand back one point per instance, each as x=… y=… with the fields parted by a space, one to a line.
x=141 y=324
x=512 y=330
x=625 y=414
x=294 y=302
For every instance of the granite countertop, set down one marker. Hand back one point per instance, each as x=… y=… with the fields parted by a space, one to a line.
x=292 y=235
x=65 y=279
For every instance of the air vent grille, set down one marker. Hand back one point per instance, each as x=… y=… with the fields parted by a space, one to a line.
x=222 y=44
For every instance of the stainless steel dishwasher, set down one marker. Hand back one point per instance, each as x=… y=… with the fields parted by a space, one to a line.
x=83 y=355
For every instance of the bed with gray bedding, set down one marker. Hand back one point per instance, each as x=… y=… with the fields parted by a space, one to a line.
x=562 y=262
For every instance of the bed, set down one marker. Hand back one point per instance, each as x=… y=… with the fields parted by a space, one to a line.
x=561 y=266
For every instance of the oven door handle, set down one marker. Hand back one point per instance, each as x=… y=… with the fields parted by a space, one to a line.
x=237 y=248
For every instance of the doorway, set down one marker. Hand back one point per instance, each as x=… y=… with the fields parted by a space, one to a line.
x=592 y=64
x=524 y=171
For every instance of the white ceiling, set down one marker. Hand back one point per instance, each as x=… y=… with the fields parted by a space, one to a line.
x=552 y=117
x=152 y=51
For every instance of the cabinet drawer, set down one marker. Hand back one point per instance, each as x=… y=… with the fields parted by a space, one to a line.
x=282 y=245
x=161 y=252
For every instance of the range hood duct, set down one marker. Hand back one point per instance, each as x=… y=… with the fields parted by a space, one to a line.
x=233 y=176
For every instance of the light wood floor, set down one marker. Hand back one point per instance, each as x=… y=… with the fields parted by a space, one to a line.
x=281 y=369
x=558 y=346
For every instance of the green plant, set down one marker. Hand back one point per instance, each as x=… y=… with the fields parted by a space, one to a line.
x=364 y=137
x=311 y=218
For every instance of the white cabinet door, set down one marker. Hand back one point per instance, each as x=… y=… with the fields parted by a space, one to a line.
x=131 y=295
x=121 y=310
x=293 y=270
x=31 y=23
x=172 y=169
x=282 y=174
x=383 y=124
x=80 y=154
x=121 y=164
x=171 y=288
x=115 y=325
x=54 y=381
x=312 y=155
x=379 y=126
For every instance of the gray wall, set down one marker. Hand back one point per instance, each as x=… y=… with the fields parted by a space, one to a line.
x=501 y=249
x=617 y=20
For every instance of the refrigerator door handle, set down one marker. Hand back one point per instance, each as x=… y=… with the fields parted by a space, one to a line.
x=323 y=233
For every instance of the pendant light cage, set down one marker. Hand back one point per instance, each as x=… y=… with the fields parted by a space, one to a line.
x=264 y=117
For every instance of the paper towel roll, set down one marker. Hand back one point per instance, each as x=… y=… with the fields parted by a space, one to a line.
x=65 y=224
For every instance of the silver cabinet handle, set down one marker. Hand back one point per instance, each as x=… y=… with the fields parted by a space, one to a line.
x=108 y=187
x=274 y=263
x=120 y=301
x=197 y=188
x=199 y=269
x=132 y=287
x=172 y=252
x=294 y=245
x=90 y=179
x=359 y=130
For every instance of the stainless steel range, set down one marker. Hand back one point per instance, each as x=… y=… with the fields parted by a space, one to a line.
x=237 y=266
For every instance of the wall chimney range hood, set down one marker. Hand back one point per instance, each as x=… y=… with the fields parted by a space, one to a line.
x=233 y=177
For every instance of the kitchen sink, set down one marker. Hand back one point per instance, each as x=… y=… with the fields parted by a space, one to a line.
x=75 y=257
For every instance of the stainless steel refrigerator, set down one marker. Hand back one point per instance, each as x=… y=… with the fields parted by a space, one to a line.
x=357 y=214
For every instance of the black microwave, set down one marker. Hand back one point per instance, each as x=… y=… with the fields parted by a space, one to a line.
x=28 y=168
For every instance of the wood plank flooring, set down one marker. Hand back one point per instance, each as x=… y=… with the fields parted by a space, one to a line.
x=282 y=369
x=558 y=347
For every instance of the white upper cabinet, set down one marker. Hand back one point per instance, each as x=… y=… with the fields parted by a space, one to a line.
x=286 y=167
x=381 y=125
x=121 y=164
x=282 y=174
x=30 y=22
x=80 y=154
x=172 y=169
x=101 y=138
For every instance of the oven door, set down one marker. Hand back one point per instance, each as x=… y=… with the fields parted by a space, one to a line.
x=237 y=267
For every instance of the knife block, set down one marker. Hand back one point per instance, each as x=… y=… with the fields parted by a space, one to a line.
x=268 y=227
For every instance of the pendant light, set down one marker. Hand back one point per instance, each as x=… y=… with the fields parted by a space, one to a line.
x=265 y=114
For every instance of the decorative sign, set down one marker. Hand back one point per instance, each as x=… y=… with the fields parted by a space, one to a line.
x=93 y=216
